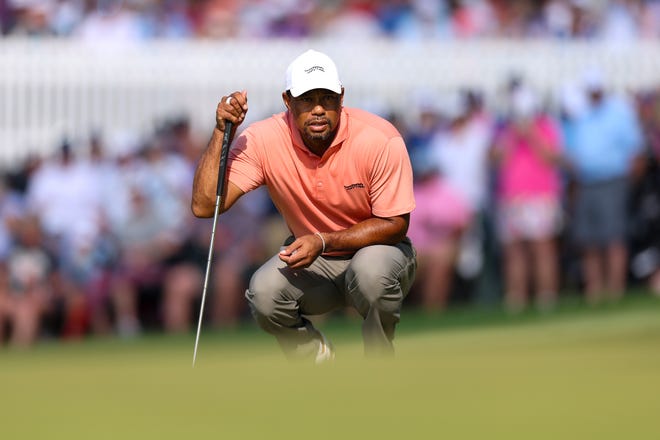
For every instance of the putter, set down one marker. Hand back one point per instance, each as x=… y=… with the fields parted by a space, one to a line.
x=222 y=172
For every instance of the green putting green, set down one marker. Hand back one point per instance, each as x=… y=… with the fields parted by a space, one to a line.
x=578 y=374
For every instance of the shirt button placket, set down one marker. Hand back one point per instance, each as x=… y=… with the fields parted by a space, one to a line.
x=320 y=193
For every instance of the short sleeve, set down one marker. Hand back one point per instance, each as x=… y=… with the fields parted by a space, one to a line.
x=245 y=166
x=392 y=181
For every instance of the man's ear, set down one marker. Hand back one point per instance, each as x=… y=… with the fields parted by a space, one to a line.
x=285 y=98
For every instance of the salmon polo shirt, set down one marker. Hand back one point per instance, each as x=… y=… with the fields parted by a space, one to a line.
x=366 y=171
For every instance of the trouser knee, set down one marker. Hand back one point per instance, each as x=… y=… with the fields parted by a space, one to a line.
x=261 y=306
x=266 y=302
x=273 y=306
x=369 y=287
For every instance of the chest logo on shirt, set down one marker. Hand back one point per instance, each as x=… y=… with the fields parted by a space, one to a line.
x=353 y=186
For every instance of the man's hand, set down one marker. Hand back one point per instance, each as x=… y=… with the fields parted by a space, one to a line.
x=302 y=252
x=205 y=182
x=231 y=108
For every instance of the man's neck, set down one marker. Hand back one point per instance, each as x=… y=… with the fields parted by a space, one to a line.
x=318 y=148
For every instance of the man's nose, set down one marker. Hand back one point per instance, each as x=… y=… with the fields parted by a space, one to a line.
x=318 y=109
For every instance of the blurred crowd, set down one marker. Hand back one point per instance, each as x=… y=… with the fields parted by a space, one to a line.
x=519 y=197
x=516 y=203
x=538 y=197
x=124 y=20
x=108 y=245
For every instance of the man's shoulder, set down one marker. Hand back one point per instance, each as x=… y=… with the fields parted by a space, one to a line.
x=270 y=126
x=370 y=123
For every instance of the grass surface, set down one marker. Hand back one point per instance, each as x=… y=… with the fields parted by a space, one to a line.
x=468 y=374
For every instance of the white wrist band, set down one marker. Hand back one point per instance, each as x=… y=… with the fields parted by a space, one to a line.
x=322 y=241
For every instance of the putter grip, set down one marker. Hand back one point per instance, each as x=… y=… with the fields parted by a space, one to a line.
x=224 y=154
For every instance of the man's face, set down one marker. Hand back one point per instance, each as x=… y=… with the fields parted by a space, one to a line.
x=316 y=115
x=596 y=96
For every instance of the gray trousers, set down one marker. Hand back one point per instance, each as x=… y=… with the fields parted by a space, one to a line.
x=374 y=281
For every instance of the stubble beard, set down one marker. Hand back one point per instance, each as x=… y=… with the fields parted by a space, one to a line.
x=316 y=138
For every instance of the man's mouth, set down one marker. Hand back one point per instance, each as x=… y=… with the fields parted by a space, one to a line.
x=319 y=125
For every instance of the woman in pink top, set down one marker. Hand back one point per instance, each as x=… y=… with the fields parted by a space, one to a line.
x=527 y=153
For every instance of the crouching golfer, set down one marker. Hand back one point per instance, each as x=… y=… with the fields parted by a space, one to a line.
x=341 y=178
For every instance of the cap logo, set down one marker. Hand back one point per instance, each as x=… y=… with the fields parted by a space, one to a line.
x=311 y=69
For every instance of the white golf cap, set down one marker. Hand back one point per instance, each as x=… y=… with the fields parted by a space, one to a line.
x=312 y=70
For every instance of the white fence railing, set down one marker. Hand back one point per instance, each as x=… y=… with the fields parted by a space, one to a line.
x=51 y=89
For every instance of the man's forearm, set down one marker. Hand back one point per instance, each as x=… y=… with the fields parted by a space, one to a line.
x=369 y=232
x=205 y=181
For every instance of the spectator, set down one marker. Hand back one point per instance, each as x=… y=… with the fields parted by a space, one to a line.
x=111 y=22
x=558 y=18
x=32 y=19
x=472 y=19
x=96 y=254
x=63 y=195
x=183 y=268
x=603 y=146
x=645 y=206
x=426 y=123
x=461 y=152
x=26 y=292
x=66 y=16
x=217 y=19
x=527 y=152
x=168 y=19
x=437 y=225
x=12 y=207
x=146 y=241
x=354 y=19
x=150 y=235
x=424 y=19
x=650 y=19
x=620 y=21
